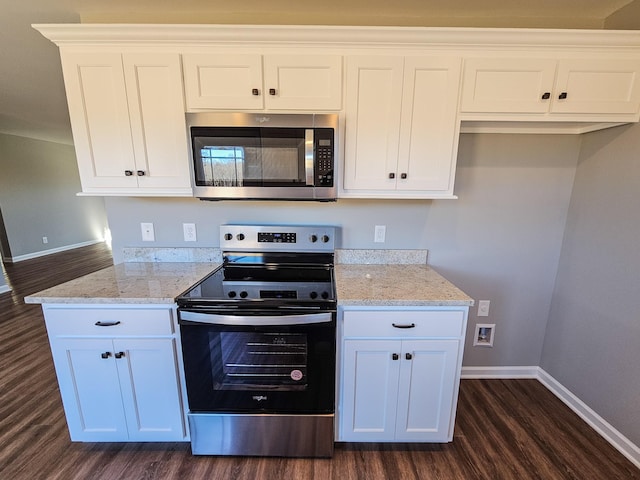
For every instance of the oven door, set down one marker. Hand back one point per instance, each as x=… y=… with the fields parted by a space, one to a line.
x=259 y=362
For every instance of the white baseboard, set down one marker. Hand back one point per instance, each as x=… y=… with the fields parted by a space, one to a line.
x=43 y=253
x=4 y=288
x=621 y=443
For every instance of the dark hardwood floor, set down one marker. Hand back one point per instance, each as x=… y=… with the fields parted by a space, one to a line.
x=505 y=429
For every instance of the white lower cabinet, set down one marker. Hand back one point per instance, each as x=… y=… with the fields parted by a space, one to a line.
x=400 y=375
x=116 y=384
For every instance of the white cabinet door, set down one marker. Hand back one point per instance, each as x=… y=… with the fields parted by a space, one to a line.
x=150 y=388
x=370 y=390
x=156 y=110
x=508 y=85
x=224 y=81
x=99 y=115
x=252 y=82
x=597 y=86
x=428 y=127
x=90 y=389
x=372 y=111
x=401 y=126
x=426 y=392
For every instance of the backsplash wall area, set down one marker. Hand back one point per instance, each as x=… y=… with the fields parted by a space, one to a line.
x=499 y=241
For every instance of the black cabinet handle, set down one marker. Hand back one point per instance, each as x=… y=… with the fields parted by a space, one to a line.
x=105 y=354
x=392 y=175
x=128 y=173
x=119 y=354
x=562 y=96
x=403 y=176
x=141 y=173
x=107 y=324
x=546 y=95
x=408 y=356
x=272 y=91
x=255 y=92
x=395 y=325
x=395 y=356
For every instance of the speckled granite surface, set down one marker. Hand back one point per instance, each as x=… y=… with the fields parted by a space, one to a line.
x=371 y=257
x=134 y=282
x=396 y=285
x=171 y=254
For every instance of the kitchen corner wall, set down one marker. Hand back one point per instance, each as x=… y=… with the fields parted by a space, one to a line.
x=593 y=334
x=500 y=241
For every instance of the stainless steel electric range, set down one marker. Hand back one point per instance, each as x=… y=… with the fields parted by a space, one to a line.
x=258 y=342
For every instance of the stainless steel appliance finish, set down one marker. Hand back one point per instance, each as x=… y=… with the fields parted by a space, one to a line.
x=258 y=342
x=247 y=156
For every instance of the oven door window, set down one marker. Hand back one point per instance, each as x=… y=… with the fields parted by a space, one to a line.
x=249 y=157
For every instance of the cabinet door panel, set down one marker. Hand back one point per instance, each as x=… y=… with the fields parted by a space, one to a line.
x=150 y=389
x=223 y=81
x=507 y=85
x=90 y=389
x=156 y=106
x=373 y=105
x=370 y=390
x=99 y=118
x=598 y=86
x=429 y=134
x=309 y=82
x=429 y=377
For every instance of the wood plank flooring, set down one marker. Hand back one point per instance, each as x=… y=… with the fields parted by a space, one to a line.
x=505 y=429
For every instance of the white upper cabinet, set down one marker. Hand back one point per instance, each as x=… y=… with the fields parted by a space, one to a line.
x=252 y=82
x=127 y=117
x=607 y=88
x=401 y=126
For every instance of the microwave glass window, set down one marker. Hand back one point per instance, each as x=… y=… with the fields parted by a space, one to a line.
x=223 y=166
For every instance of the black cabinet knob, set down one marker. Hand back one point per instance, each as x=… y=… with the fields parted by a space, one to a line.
x=105 y=354
x=119 y=354
x=395 y=356
x=392 y=175
x=546 y=95
x=562 y=96
x=403 y=176
x=408 y=356
x=128 y=173
x=272 y=91
x=141 y=173
x=255 y=92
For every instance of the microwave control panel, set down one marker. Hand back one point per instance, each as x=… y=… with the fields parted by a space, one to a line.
x=324 y=157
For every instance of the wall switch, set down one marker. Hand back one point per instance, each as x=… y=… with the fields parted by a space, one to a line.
x=147 y=232
x=483 y=308
x=379 y=233
x=189 y=230
x=45 y=240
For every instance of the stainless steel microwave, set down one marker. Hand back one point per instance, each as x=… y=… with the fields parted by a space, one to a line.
x=245 y=156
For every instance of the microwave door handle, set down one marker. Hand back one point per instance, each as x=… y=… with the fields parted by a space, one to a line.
x=309 y=143
x=246 y=321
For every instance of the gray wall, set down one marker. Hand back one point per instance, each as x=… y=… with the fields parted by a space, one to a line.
x=38 y=189
x=592 y=343
x=500 y=241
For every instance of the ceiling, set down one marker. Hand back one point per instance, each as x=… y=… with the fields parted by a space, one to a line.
x=32 y=99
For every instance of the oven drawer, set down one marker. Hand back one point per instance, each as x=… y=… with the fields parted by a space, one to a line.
x=107 y=322
x=418 y=323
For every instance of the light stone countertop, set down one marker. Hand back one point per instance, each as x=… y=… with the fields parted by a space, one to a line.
x=396 y=285
x=133 y=282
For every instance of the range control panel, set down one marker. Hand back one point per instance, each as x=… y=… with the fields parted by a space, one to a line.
x=281 y=238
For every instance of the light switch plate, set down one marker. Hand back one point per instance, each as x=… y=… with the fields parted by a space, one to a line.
x=148 y=234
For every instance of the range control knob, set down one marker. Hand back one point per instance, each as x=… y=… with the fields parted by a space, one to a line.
x=243 y=294
x=313 y=294
x=313 y=238
x=325 y=295
x=228 y=236
x=232 y=294
x=240 y=236
x=325 y=238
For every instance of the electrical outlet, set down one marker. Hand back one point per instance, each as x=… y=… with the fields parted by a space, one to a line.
x=147 y=232
x=379 y=234
x=484 y=334
x=45 y=240
x=189 y=230
x=483 y=308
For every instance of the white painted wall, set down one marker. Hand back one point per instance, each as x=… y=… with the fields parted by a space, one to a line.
x=592 y=343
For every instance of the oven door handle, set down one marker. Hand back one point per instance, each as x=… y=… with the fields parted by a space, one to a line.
x=247 y=321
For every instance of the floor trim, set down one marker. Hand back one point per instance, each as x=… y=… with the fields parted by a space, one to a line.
x=621 y=443
x=43 y=253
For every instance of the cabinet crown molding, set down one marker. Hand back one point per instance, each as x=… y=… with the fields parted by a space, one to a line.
x=455 y=37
